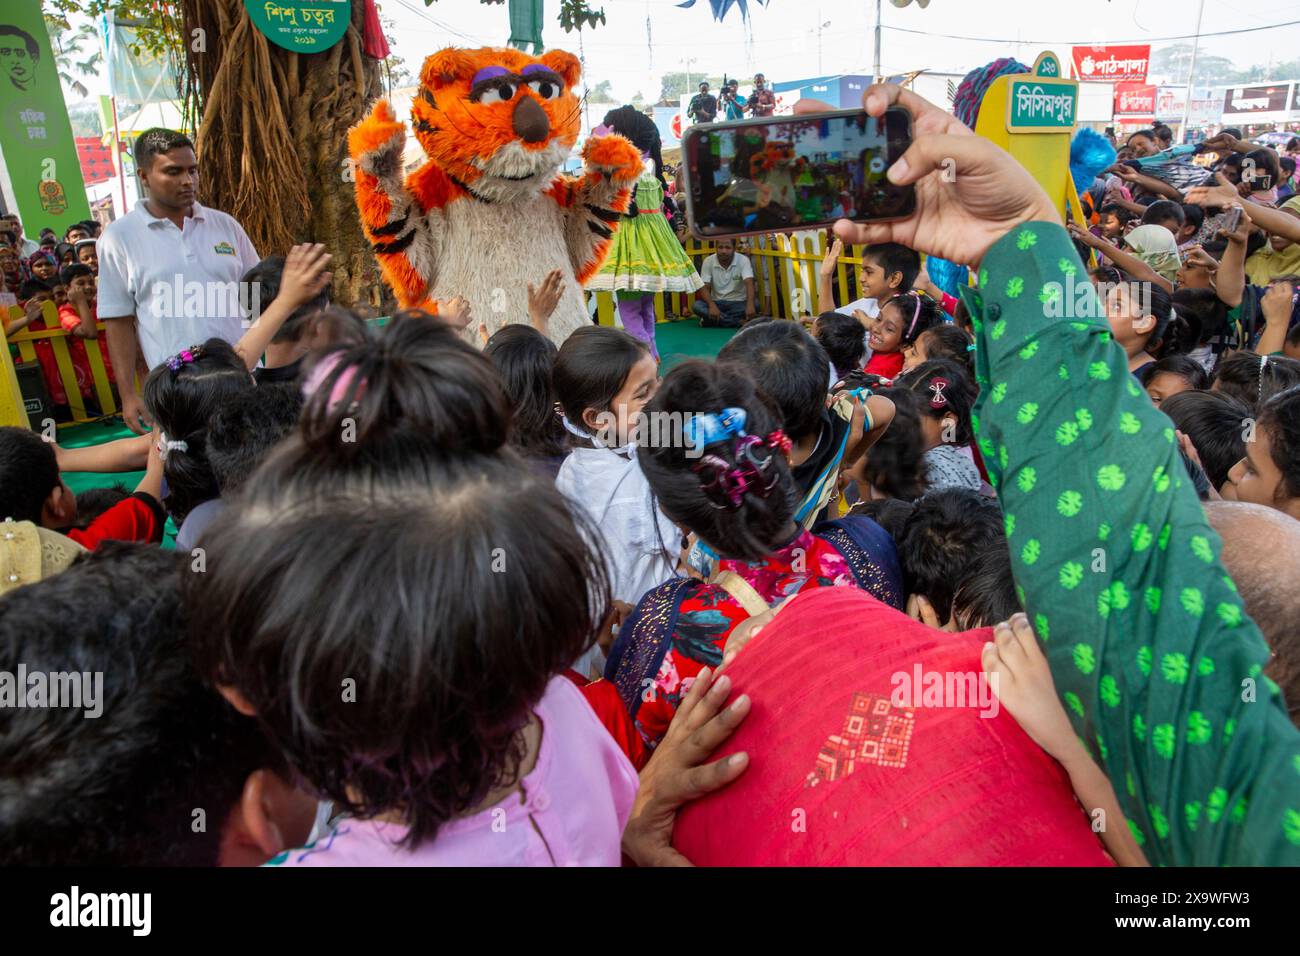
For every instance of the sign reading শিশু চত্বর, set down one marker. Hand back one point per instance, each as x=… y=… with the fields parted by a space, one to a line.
x=1043 y=102
x=303 y=27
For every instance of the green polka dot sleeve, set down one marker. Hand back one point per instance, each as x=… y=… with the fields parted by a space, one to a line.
x=1158 y=664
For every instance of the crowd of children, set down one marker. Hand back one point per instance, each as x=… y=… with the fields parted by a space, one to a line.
x=438 y=605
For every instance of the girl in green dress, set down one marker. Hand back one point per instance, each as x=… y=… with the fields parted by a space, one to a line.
x=645 y=256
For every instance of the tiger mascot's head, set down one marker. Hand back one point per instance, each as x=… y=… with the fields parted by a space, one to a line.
x=498 y=121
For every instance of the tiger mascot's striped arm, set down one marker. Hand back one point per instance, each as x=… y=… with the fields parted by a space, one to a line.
x=404 y=238
x=596 y=201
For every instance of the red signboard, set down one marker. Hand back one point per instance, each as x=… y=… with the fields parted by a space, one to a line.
x=1112 y=63
x=1135 y=99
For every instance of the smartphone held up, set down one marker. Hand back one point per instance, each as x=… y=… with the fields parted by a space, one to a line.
x=791 y=173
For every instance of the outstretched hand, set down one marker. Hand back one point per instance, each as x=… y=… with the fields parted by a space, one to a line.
x=969 y=192
x=304 y=276
x=678 y=773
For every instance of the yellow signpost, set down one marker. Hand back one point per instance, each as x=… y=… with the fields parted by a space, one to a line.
x=1032 y=116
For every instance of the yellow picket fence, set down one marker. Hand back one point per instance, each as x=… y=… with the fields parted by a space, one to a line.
x=12 y=407
x=785 y=277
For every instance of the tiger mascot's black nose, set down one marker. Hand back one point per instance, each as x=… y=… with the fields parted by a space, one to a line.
x=529 y=121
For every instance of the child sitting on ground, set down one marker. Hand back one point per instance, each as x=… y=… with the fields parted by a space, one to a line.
x=31 y=489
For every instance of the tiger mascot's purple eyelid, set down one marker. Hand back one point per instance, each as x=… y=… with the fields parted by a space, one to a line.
x=489 y=72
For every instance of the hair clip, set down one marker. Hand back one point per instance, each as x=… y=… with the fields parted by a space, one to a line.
x=939 y=399
x=184 y=357
x=166 y=446
x=971 y=347
x=727 y=485
x=705 y=429
x=779 y=441
x=916 y=313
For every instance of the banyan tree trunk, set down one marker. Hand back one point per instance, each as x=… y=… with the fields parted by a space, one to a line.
x=272 y=137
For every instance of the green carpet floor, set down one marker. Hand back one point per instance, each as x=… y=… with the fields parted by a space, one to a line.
x=682 y=340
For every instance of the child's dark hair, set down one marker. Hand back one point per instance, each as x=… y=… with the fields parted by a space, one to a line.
x=416 y=378
x=986 y=594
x=788 y=366
x=1253 y=379
x=890 y=513
x=949 y=341
x=1171 y=333
x=265 y=277
x=1162 y=210
x=916 y=313
x=118 y=790
x=1122 y=215
x=842 y=337
x=1263 y=161
x=947 y=531
x=591 y=367
x=1280 y=417
x=688 y=482
x=31 y=287
x=892 y=258
x=893 y=465
x=1216 y=423
x=943 y=388
x=335 y=325
x=425 y=592
x=182 y=401
x=243 y=431
x=525 y=360
x=93 y=502
x=73 y=271
x=1205 y=312
x=1185 y=367
x=1193 y=216
x=29 y=471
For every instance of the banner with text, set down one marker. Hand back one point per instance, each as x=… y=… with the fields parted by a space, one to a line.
x=1112 y=64
x=35 y=133
x=1135 y=101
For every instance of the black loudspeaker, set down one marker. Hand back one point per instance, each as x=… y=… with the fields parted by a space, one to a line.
x=36 y=399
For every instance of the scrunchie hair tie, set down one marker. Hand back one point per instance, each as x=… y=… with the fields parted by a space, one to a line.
x=167 y=446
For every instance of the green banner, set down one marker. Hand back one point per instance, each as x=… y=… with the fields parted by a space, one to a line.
x=300 y=25
x=35 y=135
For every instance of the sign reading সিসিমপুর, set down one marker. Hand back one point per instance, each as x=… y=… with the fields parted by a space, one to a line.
x=1042 y=102
x=299 y=25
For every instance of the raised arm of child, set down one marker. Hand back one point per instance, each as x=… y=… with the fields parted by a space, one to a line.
x=1276 y=306
x=1230 y=284
x=303 y=279
x=1130 y=263
x=1022 y=681
x=826 y=277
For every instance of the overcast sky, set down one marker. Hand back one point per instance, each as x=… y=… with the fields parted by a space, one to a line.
x=781 y=40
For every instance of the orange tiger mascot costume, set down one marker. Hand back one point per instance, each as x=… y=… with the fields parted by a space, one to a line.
x=489 y=213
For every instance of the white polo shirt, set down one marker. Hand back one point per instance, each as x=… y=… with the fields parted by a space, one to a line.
x=182 y=285
x=727 y=284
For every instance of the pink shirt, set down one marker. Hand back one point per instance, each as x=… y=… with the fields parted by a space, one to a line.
x=574 y=805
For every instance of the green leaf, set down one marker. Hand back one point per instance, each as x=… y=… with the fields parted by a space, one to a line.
x=1084 y=658
x=1069 y=504
x=1111 y=477
x=1030 y=553
x=1026 y=239
x=1152 y=598
x=1066 y=433
x=1029 y=351
x=1072 y=701
x=1199 y=730
x=1026 y=479
x=1084 y=418
x=1141 y=537
x=999 y=392
x=1098 y=371
x=1215 y=804
x=1229 y=614
x=1026 y=412
x=1010 y=521
x=1144 y=660
x=1174 y=668
x=1109 y=691
x=1071 y=575
x=999 y=329
x=1015 y=286
x=1201 y=548
x=1163 y=739
x=1192 y=601
x=1130 y=424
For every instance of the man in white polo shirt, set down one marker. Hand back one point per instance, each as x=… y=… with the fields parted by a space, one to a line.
x=169 y=269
